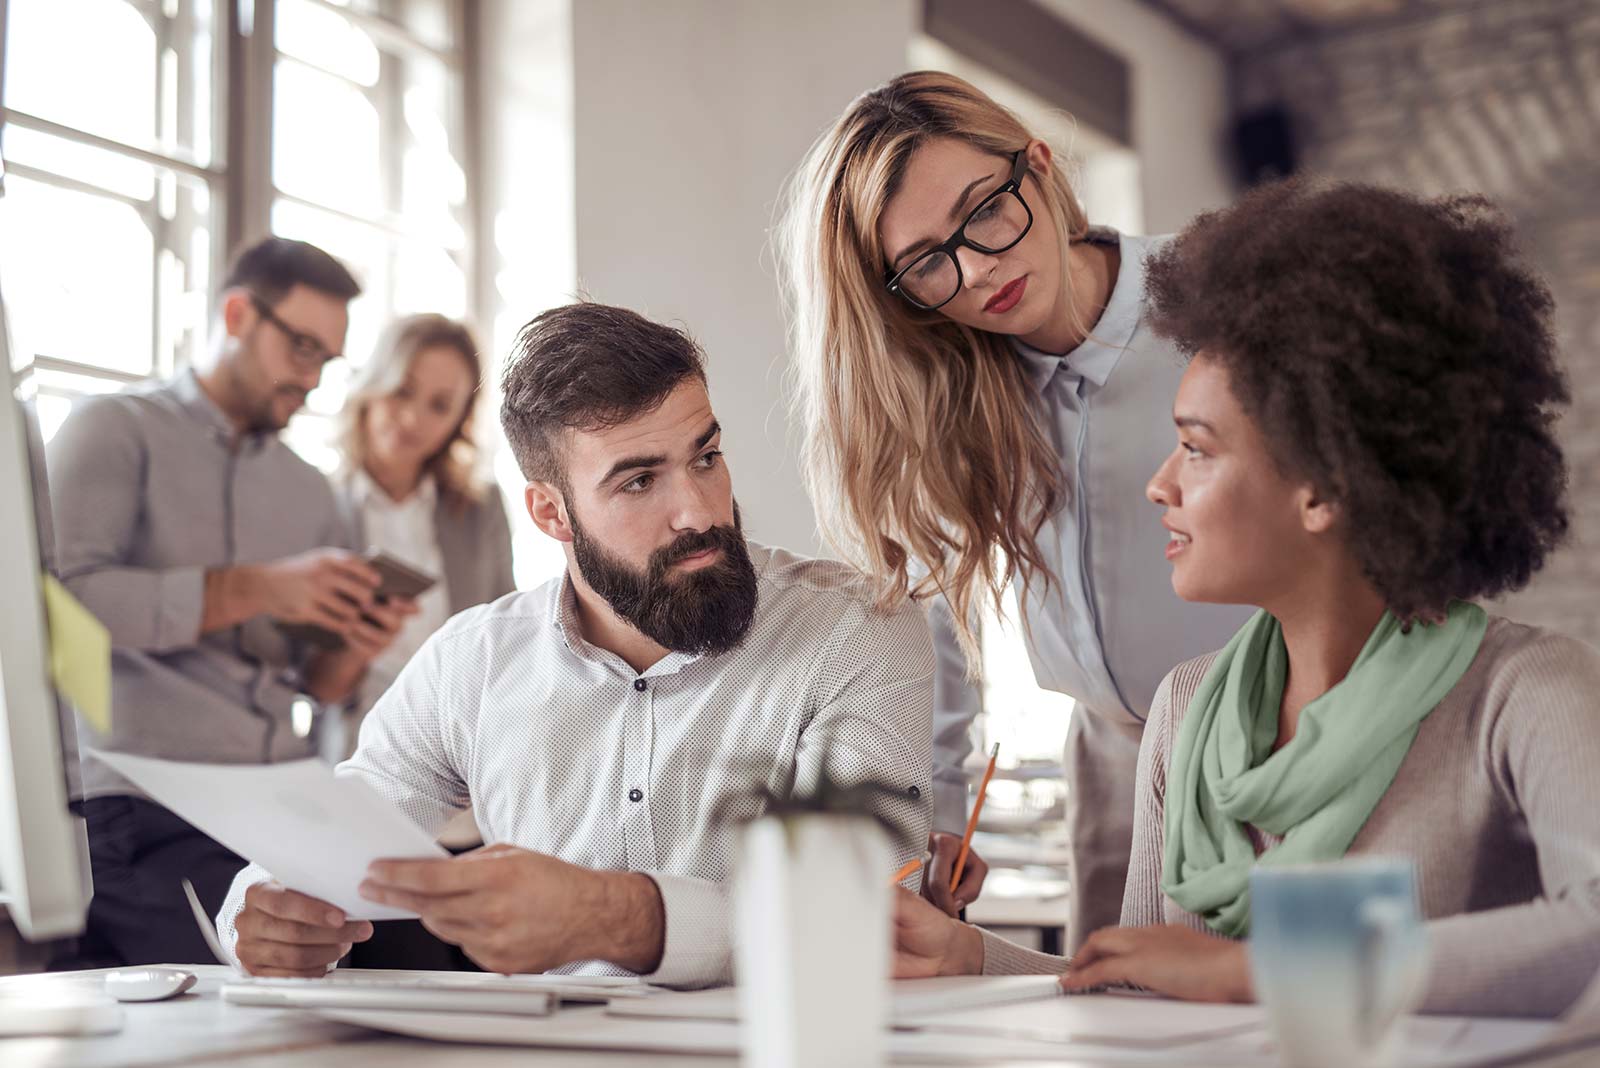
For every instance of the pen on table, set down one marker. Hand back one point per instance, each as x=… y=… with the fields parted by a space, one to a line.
x=972 y=821
x=910 y=866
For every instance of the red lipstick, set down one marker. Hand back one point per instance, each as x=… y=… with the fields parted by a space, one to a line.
x=1008 y=296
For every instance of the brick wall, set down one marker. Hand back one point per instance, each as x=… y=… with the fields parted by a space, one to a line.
x=1501 y=98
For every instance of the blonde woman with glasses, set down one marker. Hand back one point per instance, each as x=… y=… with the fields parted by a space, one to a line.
x=982 y=406
x=409 y=482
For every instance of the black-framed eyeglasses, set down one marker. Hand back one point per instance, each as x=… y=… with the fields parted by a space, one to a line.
x=1003 y=218
x=308 y=352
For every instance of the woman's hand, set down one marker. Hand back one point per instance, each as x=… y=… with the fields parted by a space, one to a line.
x=1171 y=960
x=936 y=883
x=929 y=943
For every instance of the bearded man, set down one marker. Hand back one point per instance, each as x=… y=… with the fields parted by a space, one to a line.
x=613 y=726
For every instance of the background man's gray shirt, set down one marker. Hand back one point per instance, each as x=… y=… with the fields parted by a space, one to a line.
x=150 y=488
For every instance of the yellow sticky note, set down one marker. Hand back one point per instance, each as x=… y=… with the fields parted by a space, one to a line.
x=80 y=655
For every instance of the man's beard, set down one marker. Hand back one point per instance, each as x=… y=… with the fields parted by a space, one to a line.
x=260 y=394
x=266 y=420
x=706 y=611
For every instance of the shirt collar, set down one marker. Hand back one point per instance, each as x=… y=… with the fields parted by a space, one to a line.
x=564 y=615
x=1096 y=357
x=198 y=403
x=366 y=491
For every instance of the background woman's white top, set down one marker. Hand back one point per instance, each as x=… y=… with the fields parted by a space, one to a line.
x=403 y=529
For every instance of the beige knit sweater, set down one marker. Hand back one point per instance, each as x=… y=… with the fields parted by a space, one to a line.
x=1498 y=802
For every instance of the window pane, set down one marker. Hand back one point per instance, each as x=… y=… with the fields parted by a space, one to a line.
x=427 y=21
x=111 y=171
x=88 y=280
x=325 y=140
x=326 y=40
x=80 y=276
x=429 y=280
x=92 y=65
x=433 y=186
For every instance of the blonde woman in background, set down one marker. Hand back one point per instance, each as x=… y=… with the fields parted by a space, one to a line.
x=409 y=481
x=982 y=407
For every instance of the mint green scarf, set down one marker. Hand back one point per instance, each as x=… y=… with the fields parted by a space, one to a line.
x=1319 y=789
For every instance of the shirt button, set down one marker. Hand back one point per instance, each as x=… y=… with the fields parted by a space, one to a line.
x=635 y=794
x=641 y=686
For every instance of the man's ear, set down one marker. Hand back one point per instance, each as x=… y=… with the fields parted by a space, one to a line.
x=237 y=312
x=1318 y=510
x=548 y=510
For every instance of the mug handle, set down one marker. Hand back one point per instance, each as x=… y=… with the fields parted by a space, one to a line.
x=1394 y=959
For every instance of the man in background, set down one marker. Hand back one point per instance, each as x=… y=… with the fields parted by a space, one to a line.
x=193 y=532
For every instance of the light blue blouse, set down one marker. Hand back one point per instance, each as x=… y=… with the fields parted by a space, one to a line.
x=1110 y=628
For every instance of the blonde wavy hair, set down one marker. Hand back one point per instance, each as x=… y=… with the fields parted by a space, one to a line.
x=923 y=447
x=455 y=467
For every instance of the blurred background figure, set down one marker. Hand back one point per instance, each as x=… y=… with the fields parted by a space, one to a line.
x=409 y=480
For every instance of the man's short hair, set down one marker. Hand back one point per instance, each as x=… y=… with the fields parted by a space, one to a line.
x=589 y=367
x=271 y=268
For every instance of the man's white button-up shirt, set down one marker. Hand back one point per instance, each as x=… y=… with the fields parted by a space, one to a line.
x=564 y=749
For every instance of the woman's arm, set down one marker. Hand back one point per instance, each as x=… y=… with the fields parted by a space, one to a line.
x=1141 y=896
x=1542 y=743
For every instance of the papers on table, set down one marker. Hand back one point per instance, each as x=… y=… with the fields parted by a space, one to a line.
x=314 y=831
x=911 y=999
x=1127 y=1022
x=1093 y=1029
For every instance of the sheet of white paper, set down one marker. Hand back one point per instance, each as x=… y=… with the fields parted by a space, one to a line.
x=1427 y=1042
x=314 y=831
x=1581 y=1022
x=912 y=999
x=585 y=1029
x=1160 y=1038
x=1115 y=1021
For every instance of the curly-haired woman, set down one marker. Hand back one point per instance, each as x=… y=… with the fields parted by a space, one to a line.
x=1364 y=449
x=982 y=403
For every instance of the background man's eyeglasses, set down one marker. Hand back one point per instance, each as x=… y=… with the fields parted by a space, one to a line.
x=308 y=352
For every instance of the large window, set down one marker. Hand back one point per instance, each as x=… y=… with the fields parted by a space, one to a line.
x=119 y=191
x=367 y=162
x=113 y=189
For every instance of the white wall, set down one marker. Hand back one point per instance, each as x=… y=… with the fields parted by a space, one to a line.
x=690 y=115
x=1180 y=106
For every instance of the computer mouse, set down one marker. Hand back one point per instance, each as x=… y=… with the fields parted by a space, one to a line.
x=148 y=984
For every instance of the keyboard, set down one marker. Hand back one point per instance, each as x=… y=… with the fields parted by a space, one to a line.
x=356 y=988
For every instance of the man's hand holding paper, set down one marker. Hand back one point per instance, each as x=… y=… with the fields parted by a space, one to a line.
x=286 y=933
x=513 y=910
